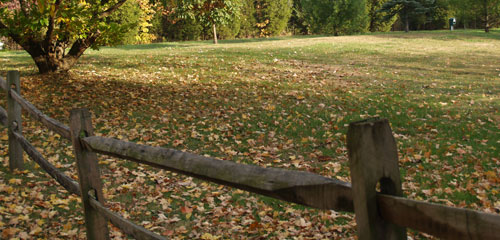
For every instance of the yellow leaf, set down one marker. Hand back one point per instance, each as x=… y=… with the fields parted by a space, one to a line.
x=208 y=236
x=53 y=10
x=40 y=222
x=67 y=227
x=36 y=230
x=5 y=137
x=490 y=174
x=15 y=181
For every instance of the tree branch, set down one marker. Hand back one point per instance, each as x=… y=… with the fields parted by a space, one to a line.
x=111 y=9
x=80 y=45
x=50 y=29
x=2 y=26
x=16 y=37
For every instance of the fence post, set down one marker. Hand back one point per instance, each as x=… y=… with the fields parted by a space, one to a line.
x=88 y=174
x=373 y=159
x=14 y=122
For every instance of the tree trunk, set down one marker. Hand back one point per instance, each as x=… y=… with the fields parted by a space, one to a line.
x=52 y=61
x=407 y=23
x=52 y=57
x=486 y=17
x=215 y=34
x=372 y=15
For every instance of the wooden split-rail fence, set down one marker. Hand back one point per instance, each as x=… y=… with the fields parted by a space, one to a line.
x=373 y=160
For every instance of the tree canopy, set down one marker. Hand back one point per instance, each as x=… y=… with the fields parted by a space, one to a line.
x=406 y=9
x=56 y=33
x=208 y=12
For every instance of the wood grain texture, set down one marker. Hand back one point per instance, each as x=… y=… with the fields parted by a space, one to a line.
x=438 y=220
x=60 y=177
x=14 y=123
x=125 y=225
x=294 y=186
x=88 y=174
x=49 y=122
x=373 y=159
x=3 y=117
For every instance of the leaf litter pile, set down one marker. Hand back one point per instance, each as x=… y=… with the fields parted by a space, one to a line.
x=281 y=103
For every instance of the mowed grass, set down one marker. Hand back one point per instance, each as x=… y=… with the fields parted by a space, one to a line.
x=279 y=102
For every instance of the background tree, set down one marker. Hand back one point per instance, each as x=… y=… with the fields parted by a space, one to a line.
x=248 y=23
x=297 y=23
x=335 y=16
x=209 y=12
x=47 y=28
x=464 y=12
x=490 y=13
x=232 y=28
x=377 y=20
x=128 y=19
x=146 y=19
x=436 y=16
x=170 y=25
x=406 y=9
x=272 y=16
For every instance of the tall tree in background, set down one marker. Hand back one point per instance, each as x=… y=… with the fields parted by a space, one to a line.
x=490 y=12
x=464 y=12
x=208 y=12
x=128 y=17
x=248 y=23
x=46 y=28
x=406 y=9
x=297 y=22
x=335 y=16
x=272 y=16
x=377 y=20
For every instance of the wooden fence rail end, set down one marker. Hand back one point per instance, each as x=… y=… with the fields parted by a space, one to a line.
x=441 y=221
x=293 y=186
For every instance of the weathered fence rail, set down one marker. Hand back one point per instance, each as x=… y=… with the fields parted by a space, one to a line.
x=372 y=154
x=65 y=181
x=288 y=185
x=49 y=122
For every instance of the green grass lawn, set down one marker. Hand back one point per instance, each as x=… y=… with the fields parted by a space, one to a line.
x=278 y=102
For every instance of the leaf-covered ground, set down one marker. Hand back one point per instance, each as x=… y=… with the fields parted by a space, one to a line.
x=281 y=102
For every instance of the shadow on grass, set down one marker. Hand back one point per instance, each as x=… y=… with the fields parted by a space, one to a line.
x=159 y=45
x=444 y=35
x=253 y=40
x=209 y=42
x=17 y=60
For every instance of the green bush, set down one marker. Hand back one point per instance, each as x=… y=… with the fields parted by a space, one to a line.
x=248 y=27
x=173 y=29
x=231 y=30
x=128 y=18
x=338 y=17
x=272 y=16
